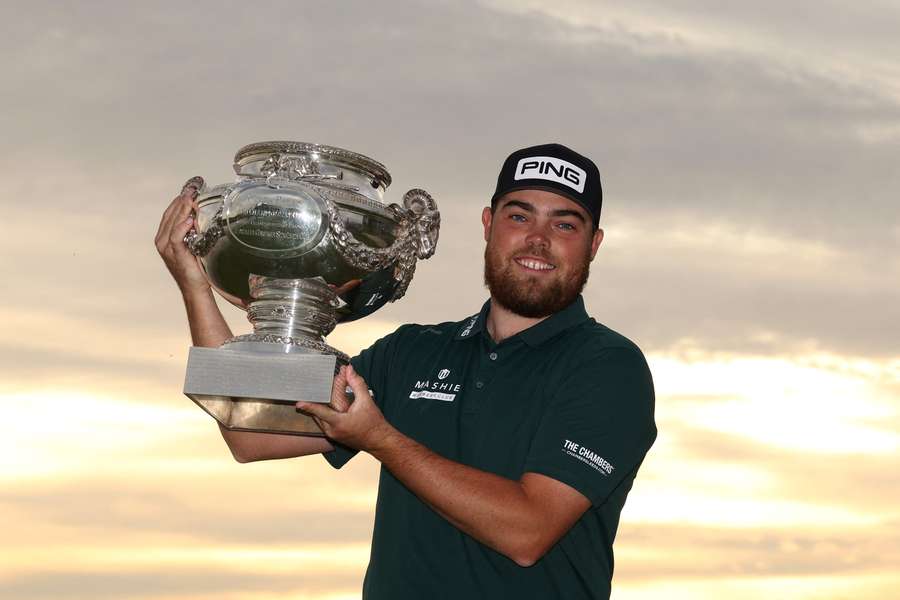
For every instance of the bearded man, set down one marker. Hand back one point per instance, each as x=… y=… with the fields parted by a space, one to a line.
x=508 y=440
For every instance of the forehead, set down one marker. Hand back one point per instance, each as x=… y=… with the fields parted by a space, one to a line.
x=543 y=202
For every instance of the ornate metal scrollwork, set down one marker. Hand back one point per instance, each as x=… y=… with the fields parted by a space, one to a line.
x=418 y=222
x=295 y=168
x=201 y=243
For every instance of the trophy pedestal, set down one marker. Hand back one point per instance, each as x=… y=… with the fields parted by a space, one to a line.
x=256 y=390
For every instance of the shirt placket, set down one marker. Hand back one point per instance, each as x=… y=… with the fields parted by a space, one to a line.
x=487 y=365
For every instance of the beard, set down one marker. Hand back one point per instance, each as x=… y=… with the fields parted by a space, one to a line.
x=528 y=295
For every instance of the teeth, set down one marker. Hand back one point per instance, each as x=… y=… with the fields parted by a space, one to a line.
x=534 y=264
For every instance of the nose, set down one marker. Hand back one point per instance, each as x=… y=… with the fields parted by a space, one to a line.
x=538 y=237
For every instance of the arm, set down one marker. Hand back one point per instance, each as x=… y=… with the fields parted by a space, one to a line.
x=520 y=519
x=209 y=329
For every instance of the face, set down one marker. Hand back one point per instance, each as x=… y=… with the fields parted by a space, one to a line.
x=539 y=248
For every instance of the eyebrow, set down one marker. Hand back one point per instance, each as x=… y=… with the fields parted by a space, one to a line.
x=560 y=212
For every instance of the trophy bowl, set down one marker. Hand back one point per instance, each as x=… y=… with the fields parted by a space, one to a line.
x=302 y=241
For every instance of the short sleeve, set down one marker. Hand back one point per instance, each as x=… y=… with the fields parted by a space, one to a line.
x=598 y=426
x=373 y=364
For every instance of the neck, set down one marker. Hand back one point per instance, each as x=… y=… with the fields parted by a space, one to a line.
x=503 y=323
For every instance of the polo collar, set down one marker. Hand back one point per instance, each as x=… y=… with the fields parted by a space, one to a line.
x=471 y=327
x=534 y=335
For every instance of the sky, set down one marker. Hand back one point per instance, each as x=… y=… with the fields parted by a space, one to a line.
x=748 y=154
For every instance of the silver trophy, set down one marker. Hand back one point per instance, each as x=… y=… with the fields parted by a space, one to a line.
x=302 y=241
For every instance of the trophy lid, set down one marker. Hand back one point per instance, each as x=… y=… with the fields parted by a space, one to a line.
x=320 y=153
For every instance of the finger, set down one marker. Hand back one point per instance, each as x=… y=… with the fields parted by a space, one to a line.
x=189 y=190
x=173 y=205
x=162 y=232
x=317 y=410
x=322 y=425
x=357 y=383
x=182 y=220
x=192 y=186
x=185 y=207
x=177 y=212
x=178 y=232
x=339 y=401
x=340 y=291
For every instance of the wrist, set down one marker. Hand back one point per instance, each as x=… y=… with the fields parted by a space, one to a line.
x=385 y=440
x=196 y=292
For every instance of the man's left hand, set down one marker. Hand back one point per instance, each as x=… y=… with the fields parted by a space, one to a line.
x=359 y=424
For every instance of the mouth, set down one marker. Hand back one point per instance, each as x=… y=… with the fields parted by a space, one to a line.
x=534 y=264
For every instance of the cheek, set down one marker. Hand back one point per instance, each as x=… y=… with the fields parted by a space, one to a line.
x=501 y=237
x=575 y=253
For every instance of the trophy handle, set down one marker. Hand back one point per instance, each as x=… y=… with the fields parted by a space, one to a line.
x=418 y=223
x=200 y=243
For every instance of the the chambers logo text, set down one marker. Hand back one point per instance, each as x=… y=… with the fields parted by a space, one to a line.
x=587 y=456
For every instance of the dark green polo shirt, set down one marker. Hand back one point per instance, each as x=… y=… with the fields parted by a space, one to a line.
x=568 y=398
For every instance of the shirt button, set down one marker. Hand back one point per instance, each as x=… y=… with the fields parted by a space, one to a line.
x=479 y=384
x=492 y=356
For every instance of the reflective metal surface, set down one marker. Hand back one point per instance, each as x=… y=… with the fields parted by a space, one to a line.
x=302 y=240
x=301 y=211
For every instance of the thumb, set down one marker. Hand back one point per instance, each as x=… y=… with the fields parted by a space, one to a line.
x=338 y=391
x=357 y=383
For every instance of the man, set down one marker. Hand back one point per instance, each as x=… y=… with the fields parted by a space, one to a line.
x=508 y=440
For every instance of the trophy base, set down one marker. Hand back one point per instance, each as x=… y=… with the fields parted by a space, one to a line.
x=256 y=391
x=257 y=415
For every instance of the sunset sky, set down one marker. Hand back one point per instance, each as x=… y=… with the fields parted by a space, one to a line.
x=749 y=155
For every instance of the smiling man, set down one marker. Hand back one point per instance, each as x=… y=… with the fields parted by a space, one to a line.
x=509 y=440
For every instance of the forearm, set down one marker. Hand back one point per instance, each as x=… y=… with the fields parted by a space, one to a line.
x=209 y=330
x=520 y=519
x=494 y=510
x=207 y=325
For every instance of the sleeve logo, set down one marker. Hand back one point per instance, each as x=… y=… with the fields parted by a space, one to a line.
x=587 y=456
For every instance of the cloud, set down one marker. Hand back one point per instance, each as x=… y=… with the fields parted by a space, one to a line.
x=833 y=39
x=689 y=140
x=855 y=481
x=749 y=165
x=277 y=514
x=175 y=582
x=673 y=551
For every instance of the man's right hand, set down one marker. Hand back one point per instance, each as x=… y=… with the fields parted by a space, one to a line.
x=176 y=222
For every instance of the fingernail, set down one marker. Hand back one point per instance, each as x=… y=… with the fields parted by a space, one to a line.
x=192 y=186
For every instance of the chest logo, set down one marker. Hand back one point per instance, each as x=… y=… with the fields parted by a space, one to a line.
x=437 y=389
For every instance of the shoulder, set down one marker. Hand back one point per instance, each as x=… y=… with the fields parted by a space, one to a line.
x=606 y=373
x=592 y=341
x=429 y=333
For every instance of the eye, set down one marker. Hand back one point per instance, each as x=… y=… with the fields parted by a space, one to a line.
x=566 y=226
x=517 y=218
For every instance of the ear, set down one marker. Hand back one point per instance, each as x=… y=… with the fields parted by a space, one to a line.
x=486 y=217
x=595 y=243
